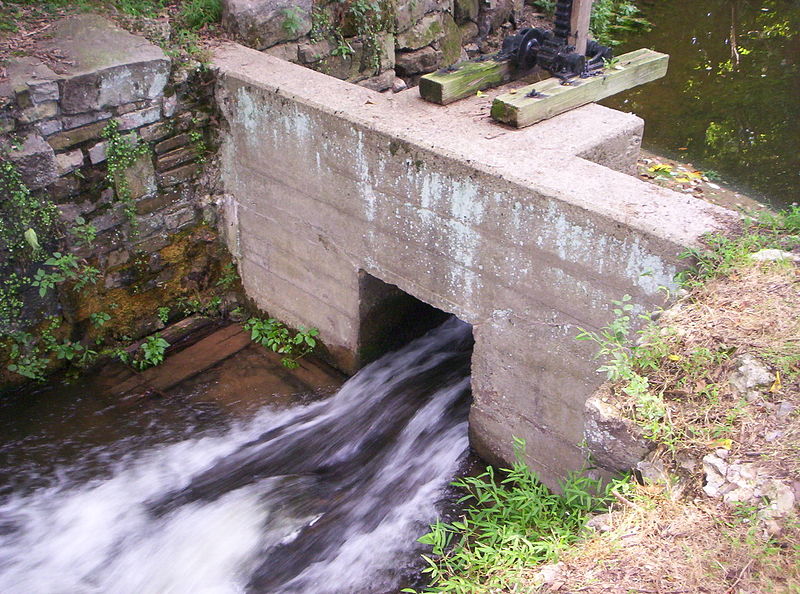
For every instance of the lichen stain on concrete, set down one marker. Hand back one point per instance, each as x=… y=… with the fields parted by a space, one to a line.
x=365 y=189
x=648 y=271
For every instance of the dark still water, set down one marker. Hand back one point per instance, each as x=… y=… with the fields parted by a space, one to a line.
x=323 y=495
x=731 y=99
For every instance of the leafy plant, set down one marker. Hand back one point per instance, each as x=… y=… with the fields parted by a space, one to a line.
x=292 y=21
x=512 y=522
x=163 y=314
x=100 y=318
x=195 y=14
x=152 y=352
x=275 y=336
x=723 y=254
x=84 y=232
x=229 y=276
x=122 y=152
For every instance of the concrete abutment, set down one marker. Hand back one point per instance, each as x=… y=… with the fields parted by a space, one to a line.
x=336 y=194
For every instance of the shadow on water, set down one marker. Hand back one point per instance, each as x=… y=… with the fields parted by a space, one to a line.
x=323 y=496
x=731 y=99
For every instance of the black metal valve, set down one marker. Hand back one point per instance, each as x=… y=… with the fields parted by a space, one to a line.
x=552 y=51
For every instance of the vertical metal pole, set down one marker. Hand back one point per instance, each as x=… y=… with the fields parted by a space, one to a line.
x=579 y=24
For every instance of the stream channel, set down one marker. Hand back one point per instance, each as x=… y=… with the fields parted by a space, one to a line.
x=214 y=487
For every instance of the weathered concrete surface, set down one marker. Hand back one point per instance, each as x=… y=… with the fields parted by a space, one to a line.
x=511 y=230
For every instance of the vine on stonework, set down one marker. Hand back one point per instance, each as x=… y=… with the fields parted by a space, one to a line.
x=122 y=153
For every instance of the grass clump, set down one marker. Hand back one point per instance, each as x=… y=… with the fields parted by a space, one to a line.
x=512 y=522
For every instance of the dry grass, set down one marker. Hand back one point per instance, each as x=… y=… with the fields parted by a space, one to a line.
x=675 y=539
x=666 y=544
x=754 y=310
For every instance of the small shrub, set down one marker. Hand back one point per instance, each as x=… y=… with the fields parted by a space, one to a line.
x=195 y=14
x=152 y=352
x=275 y=336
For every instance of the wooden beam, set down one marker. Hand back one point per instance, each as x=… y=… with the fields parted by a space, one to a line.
x=518 y=109
x=467 y=79
x=579 y=24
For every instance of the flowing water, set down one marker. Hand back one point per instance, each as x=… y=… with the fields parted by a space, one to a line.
x=322 y=497
x=731 y=99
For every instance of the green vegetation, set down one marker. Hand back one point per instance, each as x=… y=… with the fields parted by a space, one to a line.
x=366 y=19
x=512 y=523
x=151 y=353
x=122 y=153
x=196 y=14
x=275 y=336
x=292 y=21
x=611 y=19
x=723 y=254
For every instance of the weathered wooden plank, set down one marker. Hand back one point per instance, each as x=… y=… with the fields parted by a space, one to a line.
x=579 y=24
x=467 y=79
x=635 y=68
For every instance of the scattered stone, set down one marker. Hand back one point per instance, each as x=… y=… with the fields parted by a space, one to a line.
x=265 y=23
x=36 y=161
x=615 y=443
x=601 y=523
x=379 y=83
x=653 y=472
x=773 y=255
x=785 y=409
x=418 y=62
x=69 y=162
x=771 y=436
x=749 y=375
x=715 y=470
x=549 y=575
x=399 y=84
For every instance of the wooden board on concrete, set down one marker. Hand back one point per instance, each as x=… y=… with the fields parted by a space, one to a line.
x=467 y=79
x=518 y=109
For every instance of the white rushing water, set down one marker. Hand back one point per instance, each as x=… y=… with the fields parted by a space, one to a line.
x=322 y=498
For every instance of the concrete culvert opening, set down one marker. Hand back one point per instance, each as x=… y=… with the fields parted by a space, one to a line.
x=391 y=318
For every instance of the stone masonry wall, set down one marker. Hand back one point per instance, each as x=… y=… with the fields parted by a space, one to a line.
x=52 y=120
x=343 y=38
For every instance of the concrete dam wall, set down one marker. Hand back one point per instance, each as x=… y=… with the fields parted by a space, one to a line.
x=336 y=194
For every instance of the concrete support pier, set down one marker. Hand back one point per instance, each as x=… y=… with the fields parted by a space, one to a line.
x=525 y=234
